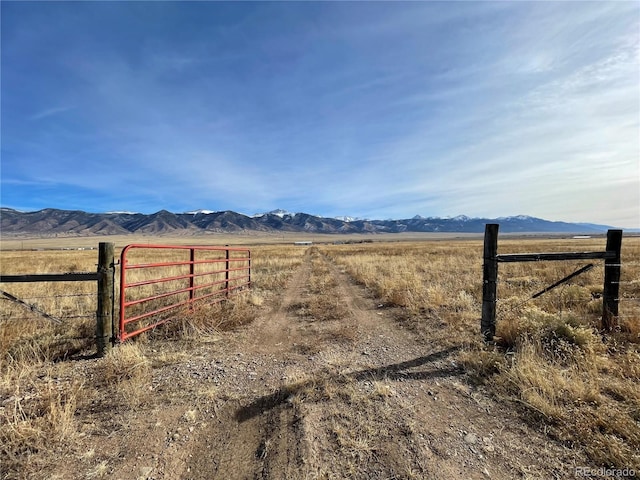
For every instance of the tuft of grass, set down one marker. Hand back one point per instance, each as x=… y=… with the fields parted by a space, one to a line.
x=344 y=333
x=127 y=372
x=324 y=302
x=37 y=420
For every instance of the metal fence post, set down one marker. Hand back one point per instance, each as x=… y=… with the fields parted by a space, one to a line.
x=611 y=290
x=104 y=313
x=226 y=271
x=192 y=270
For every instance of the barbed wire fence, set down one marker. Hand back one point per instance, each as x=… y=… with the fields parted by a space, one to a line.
x=527 y=293
x=39 y=308
x=34 y=308
x=63 y=318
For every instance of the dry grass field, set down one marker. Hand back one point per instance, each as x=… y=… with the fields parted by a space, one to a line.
x=550 y=358
x=311 y=374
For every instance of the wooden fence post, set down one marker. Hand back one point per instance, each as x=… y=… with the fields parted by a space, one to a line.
x=104 y=314
x=489 y=281
x=611 y=290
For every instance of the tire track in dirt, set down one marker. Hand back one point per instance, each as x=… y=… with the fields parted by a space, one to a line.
x=265 y=440
x=278 y=330
x=437 y=423
x=265 y=445
x=389 y=406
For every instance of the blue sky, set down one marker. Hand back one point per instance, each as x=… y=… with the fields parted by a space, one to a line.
x=368 y=109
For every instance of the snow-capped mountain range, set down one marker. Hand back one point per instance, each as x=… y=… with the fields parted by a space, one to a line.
x=66 y=222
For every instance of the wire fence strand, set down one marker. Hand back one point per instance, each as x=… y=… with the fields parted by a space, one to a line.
x=70 y=295
x=39 y=317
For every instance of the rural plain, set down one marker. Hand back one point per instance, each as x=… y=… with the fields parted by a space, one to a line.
x=344 y=360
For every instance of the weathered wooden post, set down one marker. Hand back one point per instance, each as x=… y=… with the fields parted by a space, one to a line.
x=489 y=281
x=611 y=290
x=104 y=314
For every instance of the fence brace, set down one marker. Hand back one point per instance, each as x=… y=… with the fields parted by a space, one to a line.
x=611 y=290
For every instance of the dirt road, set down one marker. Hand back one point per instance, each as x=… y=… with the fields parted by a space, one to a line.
x=323 y=384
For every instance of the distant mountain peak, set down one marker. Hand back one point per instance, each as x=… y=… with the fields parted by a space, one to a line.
x=521 y=218
x=345 y=218
x=280 y=213
x=277 y=212
x=196 y=212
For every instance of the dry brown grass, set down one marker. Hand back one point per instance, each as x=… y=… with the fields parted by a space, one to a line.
x=26 y=335
x=551 y=358
x=37 y=413
x=324 y=301
x=126 y=373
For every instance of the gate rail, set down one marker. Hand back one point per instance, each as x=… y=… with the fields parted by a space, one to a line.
x=182 y=285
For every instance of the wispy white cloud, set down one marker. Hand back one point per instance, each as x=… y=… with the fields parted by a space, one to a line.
x=49 y=112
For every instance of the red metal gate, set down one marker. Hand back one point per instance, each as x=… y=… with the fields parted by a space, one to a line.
x=155 y=280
